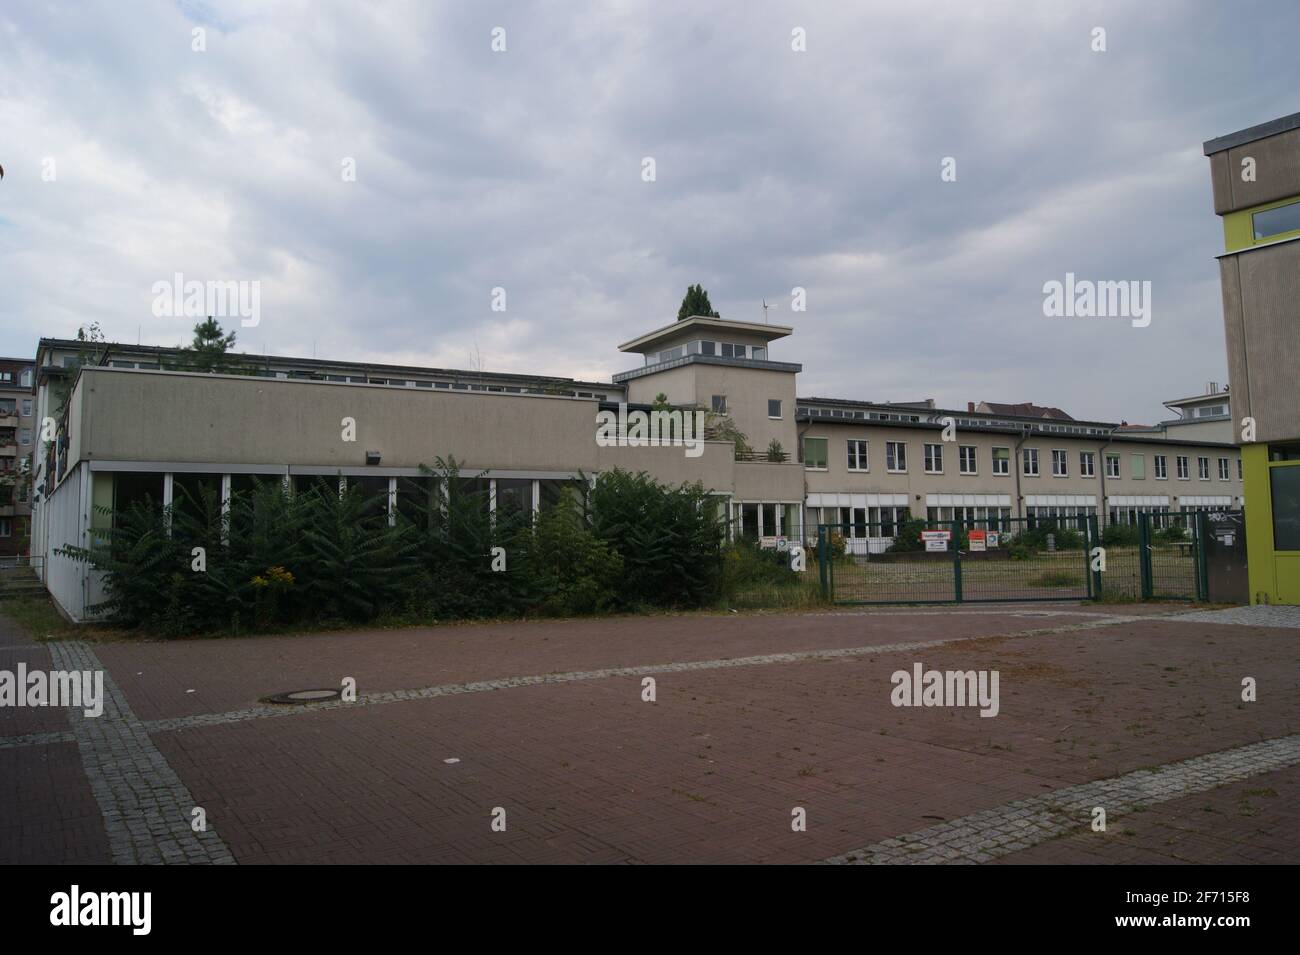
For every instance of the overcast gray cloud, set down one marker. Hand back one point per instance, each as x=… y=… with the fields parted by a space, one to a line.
x=522 y=169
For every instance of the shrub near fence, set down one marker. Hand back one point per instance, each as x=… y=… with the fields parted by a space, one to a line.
x=276 y=559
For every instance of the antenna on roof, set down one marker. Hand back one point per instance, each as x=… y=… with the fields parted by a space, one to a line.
x=765 y=308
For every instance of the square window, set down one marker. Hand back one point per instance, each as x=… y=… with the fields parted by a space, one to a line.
x=719 y=404
x=814 y=453
x=774 y=407
x=857 y=455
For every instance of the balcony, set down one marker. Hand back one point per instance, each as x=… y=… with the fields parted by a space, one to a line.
x=763 y=457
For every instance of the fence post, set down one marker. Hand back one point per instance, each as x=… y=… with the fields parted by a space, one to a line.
x=1144 y=554
x=1202 y=563
x=822 y=546
x=1094 y=576
x=955 y=530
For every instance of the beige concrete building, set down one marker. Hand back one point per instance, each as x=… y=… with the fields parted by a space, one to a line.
x=137 y=420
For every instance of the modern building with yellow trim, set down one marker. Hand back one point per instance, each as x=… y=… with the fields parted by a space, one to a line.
x=1256 y=180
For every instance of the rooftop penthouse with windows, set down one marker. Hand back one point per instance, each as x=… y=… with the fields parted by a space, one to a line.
x=143 y=420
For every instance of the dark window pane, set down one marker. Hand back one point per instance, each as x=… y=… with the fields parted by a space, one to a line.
x=130 y=488
x=1285 y=485
x=1276 y=221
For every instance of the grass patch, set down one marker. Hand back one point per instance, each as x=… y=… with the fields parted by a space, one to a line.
x=1055 y=578
x=37 y=617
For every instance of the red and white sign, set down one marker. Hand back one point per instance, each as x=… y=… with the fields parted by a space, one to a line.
x=978 y=540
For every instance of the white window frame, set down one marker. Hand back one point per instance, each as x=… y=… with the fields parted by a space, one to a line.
x=932 y=454
x=863 y=457
x=1160 y=467
x=1184 y=469
x=892 y=449
x=1088 y=464
x=974 y=459
x=1005 y=462
x=1061 y=455
x=1224 y=469
x=804 y=449
x=1027 y=455
x=1112 y=465
x=1202 y=468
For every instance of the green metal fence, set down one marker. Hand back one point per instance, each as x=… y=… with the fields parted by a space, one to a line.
x=920 y=561
x=1159 y=557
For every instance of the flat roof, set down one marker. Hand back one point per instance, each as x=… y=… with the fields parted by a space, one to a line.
x=1252 y=133
x=769 y=332
x=322 y=364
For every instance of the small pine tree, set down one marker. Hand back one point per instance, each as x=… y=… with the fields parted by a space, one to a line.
x=696 y=302
x=208 y=350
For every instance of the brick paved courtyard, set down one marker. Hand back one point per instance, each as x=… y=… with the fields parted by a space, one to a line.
x=1136 y=709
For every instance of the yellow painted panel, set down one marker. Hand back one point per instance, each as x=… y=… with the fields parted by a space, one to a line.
x=1287 y=569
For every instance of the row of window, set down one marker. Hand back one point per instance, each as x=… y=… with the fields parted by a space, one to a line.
x=719 y=406
x=815 y=457
x=720 y=349
x=24 y=378
x=9 y=406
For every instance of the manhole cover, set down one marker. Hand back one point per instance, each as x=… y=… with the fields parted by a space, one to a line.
x=305 y=696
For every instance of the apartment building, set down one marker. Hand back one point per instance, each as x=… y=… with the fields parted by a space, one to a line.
x=18 y=433
x=135 y=421
x=1255 y=174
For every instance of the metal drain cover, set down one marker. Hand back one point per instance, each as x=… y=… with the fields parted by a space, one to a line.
x=305 y=696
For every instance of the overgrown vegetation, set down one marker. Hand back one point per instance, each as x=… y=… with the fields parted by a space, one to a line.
x=274 y=560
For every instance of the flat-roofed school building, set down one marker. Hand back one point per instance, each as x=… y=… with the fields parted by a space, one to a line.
x=135 y=420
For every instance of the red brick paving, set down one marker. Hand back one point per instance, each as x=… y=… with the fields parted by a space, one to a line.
x=589 y=773
x=229 y=674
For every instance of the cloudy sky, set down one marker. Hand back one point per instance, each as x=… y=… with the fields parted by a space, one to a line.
x=129 y=157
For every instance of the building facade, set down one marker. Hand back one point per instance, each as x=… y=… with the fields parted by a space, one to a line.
x=18 y=435
x=135 y=420
x=1255 y=175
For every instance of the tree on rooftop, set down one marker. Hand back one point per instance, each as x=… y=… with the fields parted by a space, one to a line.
x=696 y=302
x=210 y=345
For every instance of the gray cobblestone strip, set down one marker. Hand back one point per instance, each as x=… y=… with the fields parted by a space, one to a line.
x=985 y=835
x=146 y=807
x=1260 y=615
x=507 y=683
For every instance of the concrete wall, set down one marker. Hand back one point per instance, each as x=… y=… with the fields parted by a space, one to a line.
x=64 y=517
x=1277 y=172
x=172 y=416
x=1261 y=287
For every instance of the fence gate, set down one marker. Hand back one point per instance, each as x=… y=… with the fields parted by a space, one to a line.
x=919 y=561
x=1171 y=555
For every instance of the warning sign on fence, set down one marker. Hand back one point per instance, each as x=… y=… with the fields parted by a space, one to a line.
x=977 y=540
